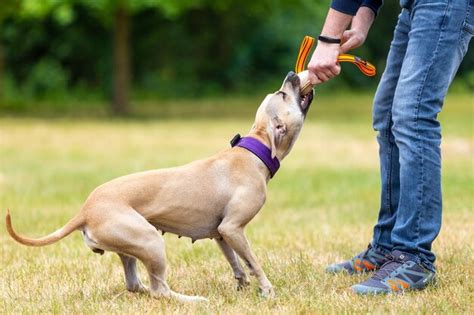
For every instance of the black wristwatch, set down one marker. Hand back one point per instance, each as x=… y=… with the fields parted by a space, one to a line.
x=329 y=40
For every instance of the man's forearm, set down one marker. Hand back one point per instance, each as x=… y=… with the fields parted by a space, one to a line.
x=336 y=23
x=363 y=20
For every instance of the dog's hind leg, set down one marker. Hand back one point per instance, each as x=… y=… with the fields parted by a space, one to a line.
x=132 y=235
x=131 y=278
x=154 y=258
x=233 y=260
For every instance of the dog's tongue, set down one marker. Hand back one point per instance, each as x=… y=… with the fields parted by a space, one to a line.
x=305 y=83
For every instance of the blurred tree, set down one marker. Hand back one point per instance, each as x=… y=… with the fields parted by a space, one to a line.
x=223 y=46
x=110 y=12
x=121 y=10
x=8 y=8
x=88 y=48
x=122 y=73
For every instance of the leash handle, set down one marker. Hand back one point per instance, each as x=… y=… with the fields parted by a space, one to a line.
x=364 y=66
x=305 y=48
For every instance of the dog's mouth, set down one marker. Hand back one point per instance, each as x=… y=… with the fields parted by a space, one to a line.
x=305 y=102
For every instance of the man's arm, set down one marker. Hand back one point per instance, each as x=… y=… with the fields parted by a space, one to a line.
x=375 y=5
x=323 y=64
x=360 y=27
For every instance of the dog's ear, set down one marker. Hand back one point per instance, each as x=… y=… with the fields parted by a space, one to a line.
x=276 y=130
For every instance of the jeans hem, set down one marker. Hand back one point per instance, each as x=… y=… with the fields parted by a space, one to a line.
x=380 y=248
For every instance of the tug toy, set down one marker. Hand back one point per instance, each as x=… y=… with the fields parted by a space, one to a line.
x=364 y=66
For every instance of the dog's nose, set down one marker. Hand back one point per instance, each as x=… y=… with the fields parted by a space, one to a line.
x=293 y=79
x=290 y=75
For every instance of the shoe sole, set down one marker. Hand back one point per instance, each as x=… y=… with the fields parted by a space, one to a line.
x=364 y=290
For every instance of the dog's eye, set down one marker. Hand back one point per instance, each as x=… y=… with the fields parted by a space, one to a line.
x=283 y=94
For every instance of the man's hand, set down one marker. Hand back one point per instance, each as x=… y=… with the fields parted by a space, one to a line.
x=352 y=39
x=356 y=36
x=323 y=63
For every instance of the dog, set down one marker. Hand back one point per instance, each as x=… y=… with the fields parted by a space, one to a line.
x=210 y=198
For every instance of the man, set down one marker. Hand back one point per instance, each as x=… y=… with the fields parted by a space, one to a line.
x=429 y=43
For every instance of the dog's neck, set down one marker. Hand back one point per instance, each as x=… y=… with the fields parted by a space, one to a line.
x=260 y=134
x=260 y=150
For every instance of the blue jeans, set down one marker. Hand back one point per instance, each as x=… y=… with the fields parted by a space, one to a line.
x=429 y=43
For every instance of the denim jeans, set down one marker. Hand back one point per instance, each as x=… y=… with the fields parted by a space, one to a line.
x=429 y=43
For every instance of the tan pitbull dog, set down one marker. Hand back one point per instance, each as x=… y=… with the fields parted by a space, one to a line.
x=211 y=198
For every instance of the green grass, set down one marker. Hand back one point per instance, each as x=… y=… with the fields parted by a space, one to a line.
x=320 y=208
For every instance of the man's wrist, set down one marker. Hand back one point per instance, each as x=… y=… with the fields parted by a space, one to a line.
x=329 y=39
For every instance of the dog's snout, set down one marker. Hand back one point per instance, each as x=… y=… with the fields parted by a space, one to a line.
x=290 y=74
x=293 y=79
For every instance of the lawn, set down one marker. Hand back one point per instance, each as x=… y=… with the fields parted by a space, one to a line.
x=320 y=208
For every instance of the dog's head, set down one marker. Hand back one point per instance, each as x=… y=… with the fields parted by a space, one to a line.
x=281 y=115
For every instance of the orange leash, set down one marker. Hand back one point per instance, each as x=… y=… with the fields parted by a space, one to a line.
x=305 y=49
x=364 y=66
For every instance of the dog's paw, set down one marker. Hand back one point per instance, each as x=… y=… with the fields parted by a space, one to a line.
x=267 y=292
x=137 y=287
x=242 y=283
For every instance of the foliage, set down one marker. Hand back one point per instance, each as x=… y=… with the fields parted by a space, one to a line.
x=179 y=48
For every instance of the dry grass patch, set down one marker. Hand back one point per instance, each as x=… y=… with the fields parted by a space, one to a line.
x=321 y=208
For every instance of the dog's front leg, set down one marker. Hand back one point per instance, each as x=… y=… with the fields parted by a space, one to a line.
x=234 y=236
x=233 y=260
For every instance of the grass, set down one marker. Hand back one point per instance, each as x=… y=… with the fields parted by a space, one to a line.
x=321 y=207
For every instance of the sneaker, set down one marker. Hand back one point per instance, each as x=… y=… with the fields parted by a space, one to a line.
x=399 y=274
x=369 y=260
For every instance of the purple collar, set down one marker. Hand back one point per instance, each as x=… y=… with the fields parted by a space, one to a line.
x=260 y=150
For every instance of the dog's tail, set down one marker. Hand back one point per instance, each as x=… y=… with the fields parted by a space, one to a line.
x=70 y=227
x=188 y=298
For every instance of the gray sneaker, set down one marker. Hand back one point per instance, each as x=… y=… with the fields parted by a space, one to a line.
x=369 y=260
x=399 y=274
